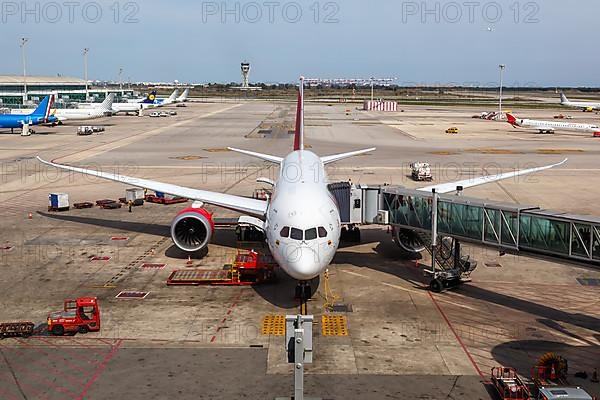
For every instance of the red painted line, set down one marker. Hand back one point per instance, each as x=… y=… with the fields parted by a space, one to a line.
x=62 y=360
x=89 y=347
x=109 y=342
x=33 y=393
x=67 y=349
x=56 y=371
x=44 y=380
x=100 y=369
x=5 y=393
x=229 y=310
x=458 y=338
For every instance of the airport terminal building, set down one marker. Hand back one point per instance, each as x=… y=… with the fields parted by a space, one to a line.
x=68 y=89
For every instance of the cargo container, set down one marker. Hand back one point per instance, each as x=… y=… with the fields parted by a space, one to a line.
x=58 y=202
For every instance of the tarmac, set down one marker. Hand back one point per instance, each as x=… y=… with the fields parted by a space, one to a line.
x=205 y=341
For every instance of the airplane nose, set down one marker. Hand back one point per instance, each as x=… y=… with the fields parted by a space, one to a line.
x=304 y=264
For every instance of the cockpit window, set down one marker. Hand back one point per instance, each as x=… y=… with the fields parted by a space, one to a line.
x=285 y=231
x=322 y=232
x=296 y=234
x=310 y=234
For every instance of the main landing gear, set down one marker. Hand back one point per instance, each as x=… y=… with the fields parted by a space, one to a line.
x=350 y=234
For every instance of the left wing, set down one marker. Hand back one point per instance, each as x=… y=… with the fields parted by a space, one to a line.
x=466 y=183
x=253 y=207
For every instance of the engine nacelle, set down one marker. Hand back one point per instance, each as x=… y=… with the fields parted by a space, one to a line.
x=192 y=229
x=407 y=240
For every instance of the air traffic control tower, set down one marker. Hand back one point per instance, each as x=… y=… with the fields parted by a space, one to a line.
x=245 y=75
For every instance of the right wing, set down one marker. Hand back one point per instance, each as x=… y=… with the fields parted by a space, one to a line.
x=253 y=207
x=451 y=186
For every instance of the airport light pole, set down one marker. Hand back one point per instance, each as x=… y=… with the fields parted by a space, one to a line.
x=121 y=80
x=22 y=45
x=85 y=72
x=502 y=67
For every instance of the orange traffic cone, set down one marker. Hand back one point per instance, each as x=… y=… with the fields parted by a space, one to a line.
x=552 y=373
x=29 y=215
x=189 y=260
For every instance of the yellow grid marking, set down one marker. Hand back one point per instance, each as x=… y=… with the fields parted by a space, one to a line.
x=273 y=325
x=334 y=325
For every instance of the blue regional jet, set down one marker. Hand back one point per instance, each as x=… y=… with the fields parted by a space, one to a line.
x=40 y=115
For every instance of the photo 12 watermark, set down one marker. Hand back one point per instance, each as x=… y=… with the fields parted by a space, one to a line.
x=52 y=12
x=470 y=11
x=270 y=12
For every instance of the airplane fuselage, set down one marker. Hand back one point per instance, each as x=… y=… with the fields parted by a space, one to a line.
x=303 y=221
x=581 y=104
x=553 y=125
x=17 y=121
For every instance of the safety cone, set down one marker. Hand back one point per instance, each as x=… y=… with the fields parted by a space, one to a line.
x=189 y=262
x=29 y=215
x=552 y=373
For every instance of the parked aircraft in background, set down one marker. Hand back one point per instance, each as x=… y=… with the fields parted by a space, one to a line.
x=550 y=126
x=79 y=114
x=184 y=96
x=40 y=115
x=583 y=105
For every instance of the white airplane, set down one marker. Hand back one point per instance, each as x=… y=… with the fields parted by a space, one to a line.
x=583 y=105
x=79 y=114
x=184 y=96
x=550 y=126
x=116 y=107
x=301 y=219
x=152 y=101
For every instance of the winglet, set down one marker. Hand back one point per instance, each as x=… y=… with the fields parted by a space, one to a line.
x=299 y=132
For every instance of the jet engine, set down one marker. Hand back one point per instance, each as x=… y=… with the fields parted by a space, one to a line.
x=408 y=240
x=192 y=229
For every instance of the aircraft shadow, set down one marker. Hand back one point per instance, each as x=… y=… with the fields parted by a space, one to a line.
x=386 y=257
x=390 y=259
x=522 y=354
x=279 y=293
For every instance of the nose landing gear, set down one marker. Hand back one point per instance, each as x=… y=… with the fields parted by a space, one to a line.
x=303 y=293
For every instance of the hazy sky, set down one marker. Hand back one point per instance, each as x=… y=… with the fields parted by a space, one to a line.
x=545 y=43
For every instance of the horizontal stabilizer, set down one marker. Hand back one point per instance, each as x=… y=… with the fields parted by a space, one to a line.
x=266 y=157
x=338 y=157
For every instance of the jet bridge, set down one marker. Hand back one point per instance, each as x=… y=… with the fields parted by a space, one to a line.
x=512 y=227
x=508 y=227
